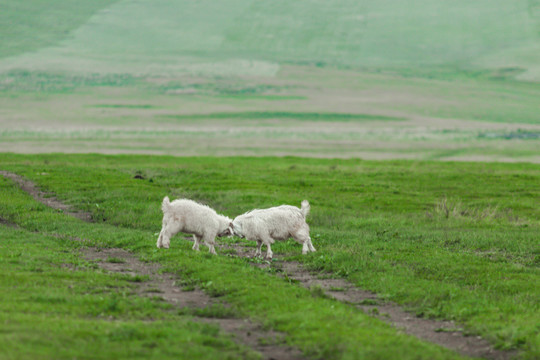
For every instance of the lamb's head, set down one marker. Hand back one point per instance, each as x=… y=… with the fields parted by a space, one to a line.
x=236 y=228
x=227 y=232
x=225 y=228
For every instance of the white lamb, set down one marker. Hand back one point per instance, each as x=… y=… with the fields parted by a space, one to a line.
x=277 y=223
x=193 y=218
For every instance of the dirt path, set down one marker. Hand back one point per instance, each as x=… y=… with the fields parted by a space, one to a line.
x=164 y=285
x=268 y=343
x=44 y=197
x=444 y=333
x=5 y=222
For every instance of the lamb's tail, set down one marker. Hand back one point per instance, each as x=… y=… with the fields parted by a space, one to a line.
x=166 y=204
x=305 y=208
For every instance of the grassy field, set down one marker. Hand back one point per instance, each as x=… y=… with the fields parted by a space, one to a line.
x=77 y=312
x=264 y=103
x=447 y=240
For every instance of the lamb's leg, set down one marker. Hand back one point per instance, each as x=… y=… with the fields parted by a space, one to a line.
x=209 y=241
x=164 y=239
x=259 y=246
x=267 y=240
x=307 y=246
x=166 y=233
x=302 y=237
x=169 y=228
x=269 y=252
x=311 y=247
x=196 y=243
x=159 y=243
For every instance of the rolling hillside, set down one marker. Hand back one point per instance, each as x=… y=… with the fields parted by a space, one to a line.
x=254 y=37
x=244 y=77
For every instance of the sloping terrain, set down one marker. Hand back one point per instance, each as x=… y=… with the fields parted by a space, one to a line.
x=244 y=37
x=379 y=80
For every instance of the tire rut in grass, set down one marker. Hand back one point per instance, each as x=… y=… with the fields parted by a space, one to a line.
x=44 y=197
x=7 y=223
x=445 y=333
x=266 y=342
x=164 y=285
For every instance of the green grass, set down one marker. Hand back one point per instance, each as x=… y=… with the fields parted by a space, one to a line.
x=446 y=240
x=320 y=327
x=56 y=305
x=421 y=79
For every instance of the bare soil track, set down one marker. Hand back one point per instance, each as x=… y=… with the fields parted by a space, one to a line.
x=444 y=333
x=44 y=197
x=164 y=285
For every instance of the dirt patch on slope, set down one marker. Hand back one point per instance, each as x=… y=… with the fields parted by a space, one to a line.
x=44 y=197
x=445 y=333
x=8 y=223
x=164 y=285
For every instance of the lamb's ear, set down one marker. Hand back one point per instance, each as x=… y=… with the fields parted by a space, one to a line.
x=231 y=229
